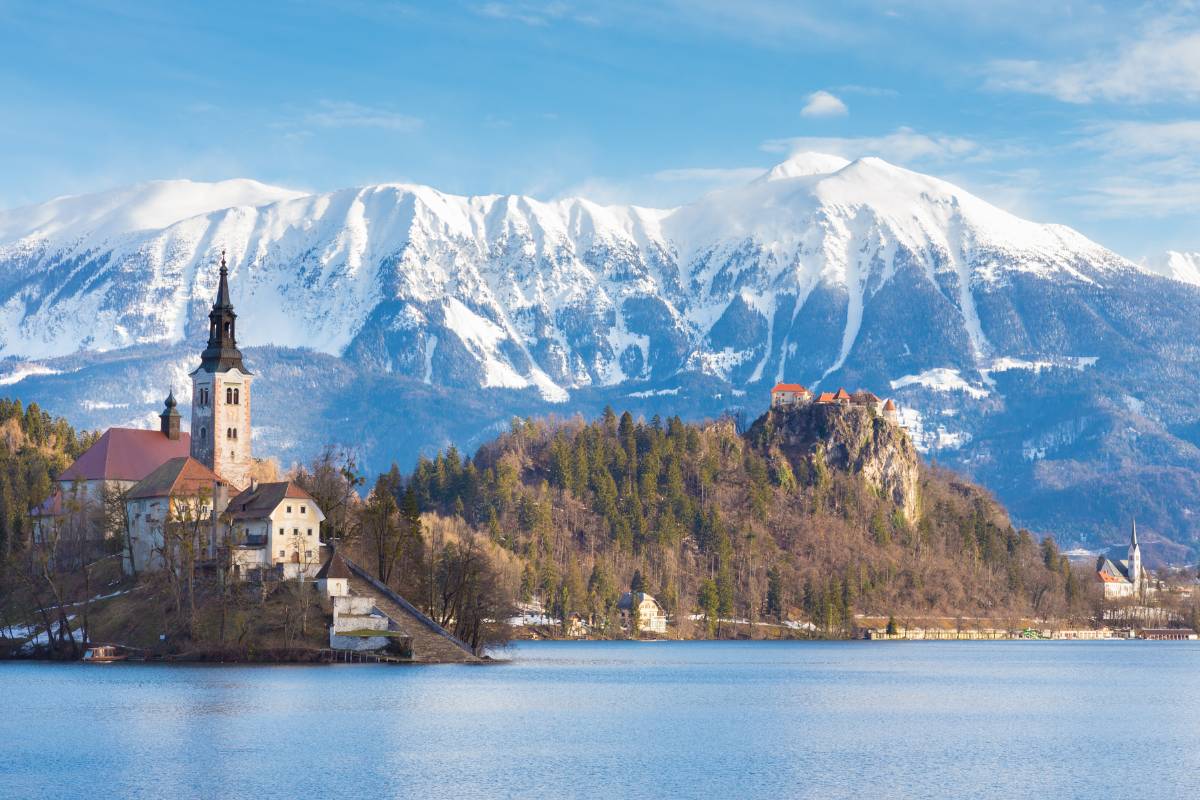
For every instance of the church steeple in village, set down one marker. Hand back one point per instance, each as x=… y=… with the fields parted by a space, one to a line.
x=221 y=395
x=222 y=352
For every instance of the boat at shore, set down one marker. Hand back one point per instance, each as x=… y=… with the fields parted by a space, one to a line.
x=105 y=654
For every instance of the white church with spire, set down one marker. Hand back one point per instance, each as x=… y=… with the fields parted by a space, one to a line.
x=1124 y=577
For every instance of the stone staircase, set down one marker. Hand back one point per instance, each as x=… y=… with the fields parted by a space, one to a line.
x=431 y=643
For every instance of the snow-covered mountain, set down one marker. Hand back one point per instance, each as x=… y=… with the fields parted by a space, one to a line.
x=1022 y=352
x=1184 y=267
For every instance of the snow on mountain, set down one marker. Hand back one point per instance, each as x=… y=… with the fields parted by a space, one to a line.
x=1183 y=267
x=1001 y=336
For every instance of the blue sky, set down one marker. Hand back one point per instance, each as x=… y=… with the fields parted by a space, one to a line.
x=1086 y=114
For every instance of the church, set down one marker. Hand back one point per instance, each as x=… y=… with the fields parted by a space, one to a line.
x=201 y=485
x=1123 y=577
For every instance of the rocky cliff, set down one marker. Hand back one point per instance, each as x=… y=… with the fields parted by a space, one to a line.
x=851 y=439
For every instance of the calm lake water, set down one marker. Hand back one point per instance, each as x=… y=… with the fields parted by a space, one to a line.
x=622 y=720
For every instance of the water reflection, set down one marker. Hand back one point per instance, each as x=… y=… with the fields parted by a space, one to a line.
x=744 y=720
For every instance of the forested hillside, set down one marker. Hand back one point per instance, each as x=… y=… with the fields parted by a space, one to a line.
x=813 y=514
x=34 y=448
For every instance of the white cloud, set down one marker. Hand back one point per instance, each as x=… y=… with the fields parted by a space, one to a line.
x=903 y=146
x=823 y=104
x=535 y=14
x=1160 y=65
x=1151 y=168
x=343 y=114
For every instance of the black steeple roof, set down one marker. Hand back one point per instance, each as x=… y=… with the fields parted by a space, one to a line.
x=222 y=353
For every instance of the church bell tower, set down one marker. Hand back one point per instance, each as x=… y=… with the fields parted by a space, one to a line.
x=1135 y=560
x=221 y=396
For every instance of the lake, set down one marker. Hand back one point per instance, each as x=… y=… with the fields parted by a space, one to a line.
x=622 y=720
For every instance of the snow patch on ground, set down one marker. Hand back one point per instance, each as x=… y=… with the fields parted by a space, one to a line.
x=941 y=379
x=24 y=371
x=654 y=393
x=931 y=437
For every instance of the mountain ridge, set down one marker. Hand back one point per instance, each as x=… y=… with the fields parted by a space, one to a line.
x=1011 y=345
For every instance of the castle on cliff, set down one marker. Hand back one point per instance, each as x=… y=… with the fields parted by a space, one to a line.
x=793 y=395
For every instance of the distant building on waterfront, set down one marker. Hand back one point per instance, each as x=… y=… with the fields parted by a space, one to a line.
x=1123 y=577
x=651 y=618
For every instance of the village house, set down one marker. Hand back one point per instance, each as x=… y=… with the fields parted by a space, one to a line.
x=275 y=526
x=1123 y=577
x=651 y=618
x=172 y=511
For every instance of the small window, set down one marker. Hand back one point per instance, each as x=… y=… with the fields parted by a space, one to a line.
x=228 y=396
x=281 y=531
x=302 y=511
x=289 y=509
x=310 y=531
x=295 y=531
x=237 y=399
x=282 y=553
x=203 y=432
x=308 y=553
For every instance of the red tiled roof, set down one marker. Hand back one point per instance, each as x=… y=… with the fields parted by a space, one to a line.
x=826 y=397
x=180 y=476
x=126 y=454
x=842 y=394
x=889 y=405
x=789 y=387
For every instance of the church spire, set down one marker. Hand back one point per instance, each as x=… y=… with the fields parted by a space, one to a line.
x=223 y=287
x=222 y=353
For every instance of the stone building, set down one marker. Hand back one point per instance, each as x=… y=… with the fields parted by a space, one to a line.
x=171 y=512
x=221 y=396
x=117 y=461
x=334 y=577
x=789 y=394
x=275 y=525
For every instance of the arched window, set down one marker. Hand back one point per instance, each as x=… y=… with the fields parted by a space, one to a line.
x=228 y=328
x=203 y=432
x=237 y=400
x=228 y=396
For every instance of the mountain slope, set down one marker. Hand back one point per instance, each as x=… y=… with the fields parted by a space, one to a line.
x=1022 y=353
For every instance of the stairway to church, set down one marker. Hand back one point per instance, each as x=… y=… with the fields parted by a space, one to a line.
x=431 y=643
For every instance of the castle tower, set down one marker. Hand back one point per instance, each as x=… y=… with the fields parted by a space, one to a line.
x=1135 y=560
x=221 y=396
